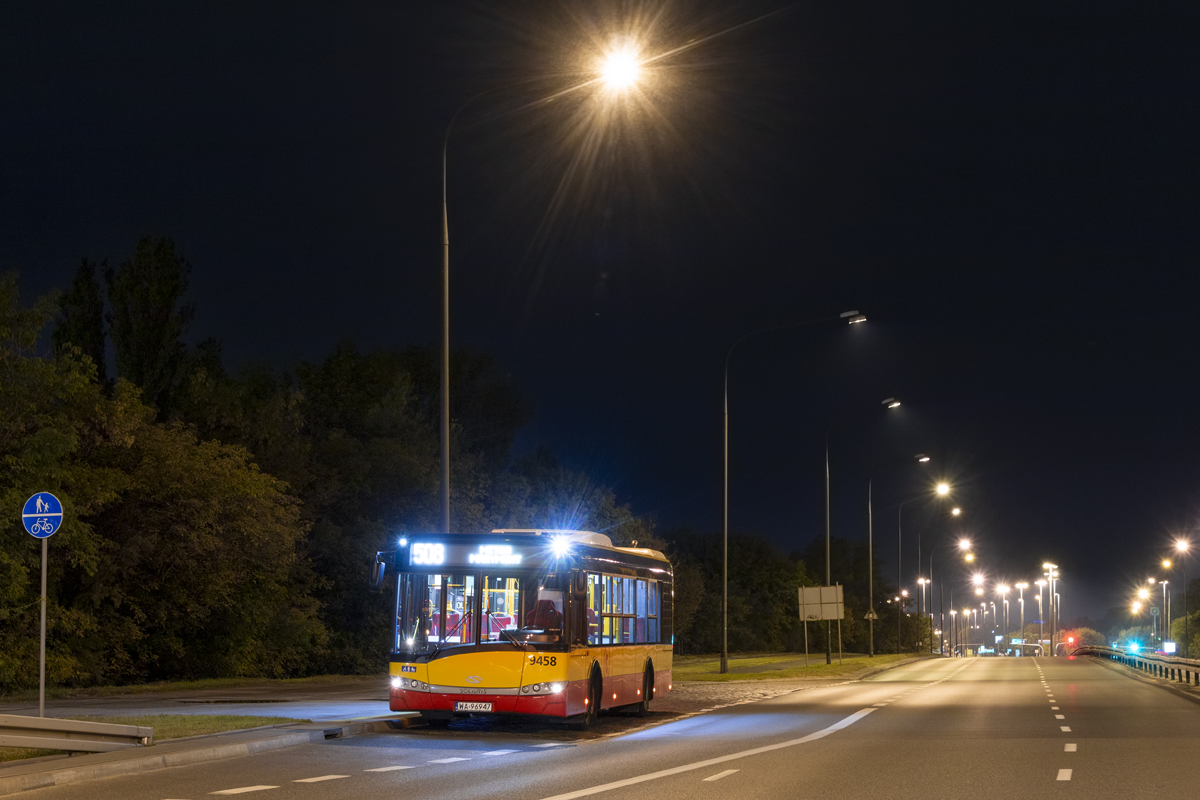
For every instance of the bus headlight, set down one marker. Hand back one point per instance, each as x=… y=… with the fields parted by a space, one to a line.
x=397 y=683
x=555 y=688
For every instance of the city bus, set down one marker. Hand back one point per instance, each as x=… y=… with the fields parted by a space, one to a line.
x=553 y=623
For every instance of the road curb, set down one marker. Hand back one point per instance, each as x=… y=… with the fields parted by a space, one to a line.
x=141 y=760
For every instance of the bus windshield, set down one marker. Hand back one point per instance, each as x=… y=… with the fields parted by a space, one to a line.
x=440 y=611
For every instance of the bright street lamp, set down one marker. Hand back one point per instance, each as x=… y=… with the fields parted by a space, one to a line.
x=943 y=489
x=620 y=68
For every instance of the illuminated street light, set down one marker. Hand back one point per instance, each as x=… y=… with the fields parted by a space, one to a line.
x=964 y=544
x=1166 y=563
x=943 y=489
x=620 y=68
x=1144 y=594
x=977 y=579
x=924 y=459
x=956 y=511
x=892 y=402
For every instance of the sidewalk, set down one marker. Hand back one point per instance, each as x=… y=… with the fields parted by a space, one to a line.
x=20 y=776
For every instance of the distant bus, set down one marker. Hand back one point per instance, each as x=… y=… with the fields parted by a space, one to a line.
x=555 y=623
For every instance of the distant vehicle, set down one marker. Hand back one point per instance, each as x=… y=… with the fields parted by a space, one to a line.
x=553 y=623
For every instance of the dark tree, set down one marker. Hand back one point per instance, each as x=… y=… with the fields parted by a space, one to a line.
x=148 y=319
x=81 y=318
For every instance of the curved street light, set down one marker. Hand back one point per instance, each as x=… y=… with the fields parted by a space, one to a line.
x=618 y=71
x=852 y=317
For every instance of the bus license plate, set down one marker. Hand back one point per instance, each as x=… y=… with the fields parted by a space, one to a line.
x=472 y=706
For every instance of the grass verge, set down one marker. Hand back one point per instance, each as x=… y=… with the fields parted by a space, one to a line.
x=771 y=667
x=166 y=726
x=62 y=693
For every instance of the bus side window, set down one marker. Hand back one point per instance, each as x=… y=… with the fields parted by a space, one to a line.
x=642 y=618
x=652 y=611
x=595 y=607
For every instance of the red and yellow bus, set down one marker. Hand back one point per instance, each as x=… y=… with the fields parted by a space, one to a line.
x=554 y=623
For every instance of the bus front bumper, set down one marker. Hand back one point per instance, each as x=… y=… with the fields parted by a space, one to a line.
x=566 y=703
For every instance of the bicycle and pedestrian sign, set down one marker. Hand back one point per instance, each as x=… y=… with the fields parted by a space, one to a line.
x=42 y=515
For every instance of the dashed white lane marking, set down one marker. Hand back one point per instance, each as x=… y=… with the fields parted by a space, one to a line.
x=387 y=769
x=320 y=778
x=1064 y=728
x=497 y=752
x=447 y=760
x=555 y=744
x=1070 y=748
x=1054 y=708
x=244 y=789
x=1059 y=716
x=1064 y=774
x=720 y=775
x=812 y=737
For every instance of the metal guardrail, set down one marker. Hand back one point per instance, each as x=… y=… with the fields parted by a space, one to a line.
x=70 y=735
x=1172 y=668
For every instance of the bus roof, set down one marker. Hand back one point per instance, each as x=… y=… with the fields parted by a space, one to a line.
x=584 y=537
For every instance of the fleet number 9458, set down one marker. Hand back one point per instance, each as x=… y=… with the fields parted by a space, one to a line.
x=545 y=661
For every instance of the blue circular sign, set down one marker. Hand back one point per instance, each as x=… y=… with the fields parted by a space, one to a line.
x=42 y=515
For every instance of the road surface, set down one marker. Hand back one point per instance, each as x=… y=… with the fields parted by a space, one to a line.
x=989 y=727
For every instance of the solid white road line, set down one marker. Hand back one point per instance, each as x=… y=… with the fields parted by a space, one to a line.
x=244 y=789
x=555 y=744
x=387 y=769
x=447 y=760
x=320 y=778
x=1070 y=748
x=497 y=752
x=1064 y=774
x=812 y=737
x=720 y=775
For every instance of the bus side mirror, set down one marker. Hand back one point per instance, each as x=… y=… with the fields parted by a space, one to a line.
x=377 y=569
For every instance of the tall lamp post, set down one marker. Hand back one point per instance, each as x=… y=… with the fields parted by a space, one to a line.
x=852 y=317
x=942 y=489
x=1052 y=582
x=1041 y=619
x=1021 y=587
x=1182 y=546
x=921 y=458
x=619 y=71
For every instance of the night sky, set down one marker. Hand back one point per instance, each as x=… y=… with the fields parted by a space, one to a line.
x=1007 y=190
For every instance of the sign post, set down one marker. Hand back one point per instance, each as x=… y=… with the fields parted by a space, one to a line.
x=42 y=517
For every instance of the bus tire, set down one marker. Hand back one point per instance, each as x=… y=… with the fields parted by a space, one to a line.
x=642 y=708
x=588 y=718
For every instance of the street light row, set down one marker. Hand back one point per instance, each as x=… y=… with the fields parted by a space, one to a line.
x=1182 y=548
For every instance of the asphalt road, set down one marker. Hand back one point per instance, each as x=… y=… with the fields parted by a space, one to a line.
x=944 y=728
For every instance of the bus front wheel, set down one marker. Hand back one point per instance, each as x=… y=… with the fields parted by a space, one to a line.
x=588 y=718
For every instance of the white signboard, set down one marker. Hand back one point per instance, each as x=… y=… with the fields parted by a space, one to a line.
x=821 y=602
